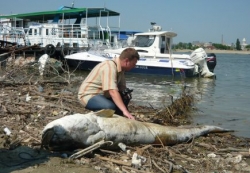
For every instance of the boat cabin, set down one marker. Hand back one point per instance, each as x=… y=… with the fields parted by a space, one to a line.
x=154 y=42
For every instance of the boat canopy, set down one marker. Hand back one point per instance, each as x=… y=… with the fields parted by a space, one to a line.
x=166 y=33
x=123 y=35
x=67 y=14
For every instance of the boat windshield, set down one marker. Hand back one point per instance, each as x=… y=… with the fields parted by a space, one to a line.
x=144 y=40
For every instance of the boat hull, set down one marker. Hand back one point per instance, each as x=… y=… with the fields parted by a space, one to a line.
x=162 y=71
x=139 y=69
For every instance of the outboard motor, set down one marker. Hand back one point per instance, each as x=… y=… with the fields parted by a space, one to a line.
x=198 y=57
x=211 y=61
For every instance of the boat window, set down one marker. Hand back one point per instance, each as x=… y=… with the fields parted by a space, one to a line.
x=17 y=23
x=168 y=44
x=144 y=40
x=163 y=44
x=35 y=31
x=53 y=31
x=47 y=31
x=26 y=30
x=30 y=32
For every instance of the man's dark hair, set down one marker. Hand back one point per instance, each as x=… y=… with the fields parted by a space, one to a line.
x=130 y=53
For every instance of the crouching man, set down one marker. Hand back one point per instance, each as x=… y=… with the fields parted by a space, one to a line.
x=103 y=86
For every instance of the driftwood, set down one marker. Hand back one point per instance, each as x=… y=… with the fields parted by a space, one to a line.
x=14 y=83
x=14 y=49
x=89 y=149
x=119 y=162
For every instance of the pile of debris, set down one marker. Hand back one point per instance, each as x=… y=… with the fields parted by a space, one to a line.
x=28 y=102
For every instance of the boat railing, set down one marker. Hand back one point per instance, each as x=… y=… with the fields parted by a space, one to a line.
x=58 y=34
x=72 y=31
x=74 y=35
x=12 y=34
x=7 y=30
x=94 y=32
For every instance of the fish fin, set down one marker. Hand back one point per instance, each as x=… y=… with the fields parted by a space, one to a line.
x=105 y=113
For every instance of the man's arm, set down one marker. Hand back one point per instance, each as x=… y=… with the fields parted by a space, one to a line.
x=119 y=103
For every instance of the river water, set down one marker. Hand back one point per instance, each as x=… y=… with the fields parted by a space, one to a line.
x=224 y=101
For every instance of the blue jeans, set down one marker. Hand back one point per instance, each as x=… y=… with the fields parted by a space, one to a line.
x=100 y=102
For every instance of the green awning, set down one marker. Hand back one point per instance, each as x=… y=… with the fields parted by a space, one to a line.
x=68 y=14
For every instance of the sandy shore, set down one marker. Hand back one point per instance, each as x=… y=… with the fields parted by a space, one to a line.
x=216 y=51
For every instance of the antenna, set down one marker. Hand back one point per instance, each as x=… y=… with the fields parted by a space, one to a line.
x=72 y=4
x=153 y=23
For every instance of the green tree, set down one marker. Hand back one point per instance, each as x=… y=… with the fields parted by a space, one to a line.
x=180 y=45
x=238 y=47
x=248 y=46
x=221 y=46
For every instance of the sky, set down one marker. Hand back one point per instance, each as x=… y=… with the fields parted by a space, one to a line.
x=193 y=20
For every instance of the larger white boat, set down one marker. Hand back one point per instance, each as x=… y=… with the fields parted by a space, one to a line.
x=156 y=57
x=64 y=31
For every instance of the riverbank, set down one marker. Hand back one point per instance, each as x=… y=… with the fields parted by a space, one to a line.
x=215 y=51
x=30 y=101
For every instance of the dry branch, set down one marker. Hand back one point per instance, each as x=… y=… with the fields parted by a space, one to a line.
x=119 y=162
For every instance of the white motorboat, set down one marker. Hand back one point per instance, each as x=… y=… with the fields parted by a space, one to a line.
x=156 y=57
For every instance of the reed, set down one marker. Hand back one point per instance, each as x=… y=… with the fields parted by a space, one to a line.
x=177 y=113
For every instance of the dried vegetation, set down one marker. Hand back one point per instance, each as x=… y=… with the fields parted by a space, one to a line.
x=28 y=102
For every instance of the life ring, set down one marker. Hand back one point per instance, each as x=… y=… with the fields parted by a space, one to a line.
x=64 y=51
x=50 y=49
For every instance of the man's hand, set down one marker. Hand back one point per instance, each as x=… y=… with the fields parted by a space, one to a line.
x=119 y=103
x=128 y=115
